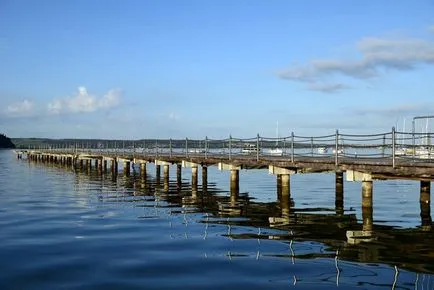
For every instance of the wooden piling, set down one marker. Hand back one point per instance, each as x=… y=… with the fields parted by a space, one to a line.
x=194 y=177
x=127 y=168
x=166 y=177
x=367 y=205
x=235 y=180
x=339 y=196
x=143 y=169
x=204 y=178
x=425 y=205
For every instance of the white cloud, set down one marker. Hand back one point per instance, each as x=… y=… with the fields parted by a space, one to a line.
x=23 y=108
x=83 y=102
x=111 y=99
x=173 y=116
x=326 y=88
x=378 y=55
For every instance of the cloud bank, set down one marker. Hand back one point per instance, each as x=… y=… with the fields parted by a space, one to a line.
x=377 y=56
x=83 y=102
x=20 y=109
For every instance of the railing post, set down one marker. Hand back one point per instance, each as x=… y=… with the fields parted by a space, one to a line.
x=311 y=146
x=337 y=147
x=230 y=147
x=170 y=147
x=206 y=147
x=413 y=131
x=134 y=149
x=186 y=147
x=257 y=147
x=156 y=148
x=393 y=147
x=292 y=147
x=383 y=150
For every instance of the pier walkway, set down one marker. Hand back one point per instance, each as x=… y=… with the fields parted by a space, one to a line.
x=363 y=158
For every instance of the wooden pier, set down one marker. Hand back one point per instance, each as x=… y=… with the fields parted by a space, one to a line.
x=296 y=157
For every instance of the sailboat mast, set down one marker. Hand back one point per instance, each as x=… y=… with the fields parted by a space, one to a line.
x=277 y=133
x=403 y=133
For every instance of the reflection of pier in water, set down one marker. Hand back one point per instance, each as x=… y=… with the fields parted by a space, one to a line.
x=406 y=248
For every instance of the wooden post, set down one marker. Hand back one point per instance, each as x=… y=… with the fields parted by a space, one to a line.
x=114 y=166
x=166 y=177
x=285 y=198
x=194 y=177
x=143 y=169
x=204 y=178
x=234 y=187
x=367 y=206
x=425 y=205
x=279 y=186
x=235 y=180
x=100 y=166
x=105 y=165
x=339 y=197
x=157 y=172
x=179 y=175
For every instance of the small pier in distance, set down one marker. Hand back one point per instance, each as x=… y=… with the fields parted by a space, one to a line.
x=363 y=158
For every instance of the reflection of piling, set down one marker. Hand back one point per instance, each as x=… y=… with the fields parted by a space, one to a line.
x=179 y=175
x=425 y=205
x=114 y=166
x=143 y=169
x=194 y=177
x=166 y=171
x=104 y=167
x=100 y=165
x=339 y=198
x=127 y=168
x=157 y=172
x=204 y=178
x=367 y=206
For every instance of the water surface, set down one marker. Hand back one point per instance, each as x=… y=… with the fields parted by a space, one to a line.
x=78 y=230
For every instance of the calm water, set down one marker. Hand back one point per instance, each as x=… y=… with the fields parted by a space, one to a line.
x=66 y=229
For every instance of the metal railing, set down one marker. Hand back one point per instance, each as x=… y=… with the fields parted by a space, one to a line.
x=392 y=146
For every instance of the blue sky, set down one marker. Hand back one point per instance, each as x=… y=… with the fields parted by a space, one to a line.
x=160 y=69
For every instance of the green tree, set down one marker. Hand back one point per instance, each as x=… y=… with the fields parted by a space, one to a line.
x=6 y=142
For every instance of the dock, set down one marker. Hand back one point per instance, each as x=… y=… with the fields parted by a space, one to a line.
x=357 y=158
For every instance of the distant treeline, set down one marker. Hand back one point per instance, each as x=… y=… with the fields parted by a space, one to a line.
x=36 y=143
x=6 y=142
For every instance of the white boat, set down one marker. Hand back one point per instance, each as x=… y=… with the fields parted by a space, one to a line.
x=196 y=150
x=421 y=153
x=424 y=153
x=250 y=149
x=322 y=150
x=340 y=151
x=275 y=152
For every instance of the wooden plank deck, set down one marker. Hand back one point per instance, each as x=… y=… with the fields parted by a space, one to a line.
x=378 y=167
